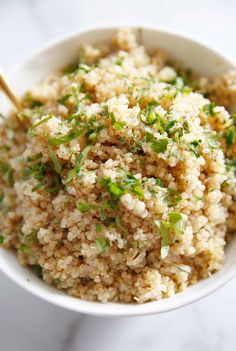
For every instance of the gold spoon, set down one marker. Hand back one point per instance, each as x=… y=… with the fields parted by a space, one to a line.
x=7 y=89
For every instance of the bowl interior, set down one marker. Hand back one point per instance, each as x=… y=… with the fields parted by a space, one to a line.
x=61 y=53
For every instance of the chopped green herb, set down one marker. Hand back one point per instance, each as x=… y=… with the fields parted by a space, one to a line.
x=160 y=145
x=1 y=197
x=122 y=139
x=34 y=158
x=159 y=182
x=25 y=249
x=131 y=180
x=173 y=197
x=120 y=225
x=178 y=222
x=184 y=268
x=6 y=169
x=213 y=141
x=1 y=239
x=119 y=60
x=71 y=175
x=39 y=185
x=98 y=227
x=165 y=241
x=229 y=135
x=56 y=162
x=34 y=126
x=66 y=138
x=118 y=125
x=115 y=189
x=64 y=99
x=103 y=244
x=111 y=204
x=230 y=164
x=31 y=102
x=31 y=237
x=104 y=181
x=137 y=190
x=38 y=270
x=209 y=109
x=169 y=125
x=80 y=159
x=83 y=207
x=194 y=146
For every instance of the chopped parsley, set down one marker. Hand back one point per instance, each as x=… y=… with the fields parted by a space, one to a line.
x=43 y=120
x=44 y=172
x=38 y=270
x=173 y=197
x=102 y=244
x=6 y=169
x=98 y=227
x=165 y=237
x=56 y=162
x=209 y=109
x=31 y=237
x=229 y=136
x=120 y=225
x=160 y=145
x=116 y=189
x=213 y=141
x=177 y=222
x=230 y=164
x=118 y=125
x=83 y=207
x=80 y=159
x=25 y=249
x=157 y=145
x=1 y=239
x=74 y=134
x=194 y=147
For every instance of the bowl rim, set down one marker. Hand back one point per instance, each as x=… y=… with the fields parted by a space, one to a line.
x=115 y=309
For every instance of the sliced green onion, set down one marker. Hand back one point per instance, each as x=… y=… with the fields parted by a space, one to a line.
x=66 y=138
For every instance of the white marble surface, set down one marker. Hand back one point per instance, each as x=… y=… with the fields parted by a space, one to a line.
x=29 y=324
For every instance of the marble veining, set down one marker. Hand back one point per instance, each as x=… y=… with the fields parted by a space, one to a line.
x=29 y=324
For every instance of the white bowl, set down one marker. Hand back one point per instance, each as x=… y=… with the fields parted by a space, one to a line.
x=58 y=54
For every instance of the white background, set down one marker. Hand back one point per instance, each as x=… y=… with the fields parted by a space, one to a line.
x=28 y=324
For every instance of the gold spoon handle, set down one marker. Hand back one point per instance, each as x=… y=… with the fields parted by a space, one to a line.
x=6 y=87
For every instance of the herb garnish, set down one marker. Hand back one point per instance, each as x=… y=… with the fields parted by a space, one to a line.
x=194 y=147
x=103 y=244
x=83 y=207
x=177 y=222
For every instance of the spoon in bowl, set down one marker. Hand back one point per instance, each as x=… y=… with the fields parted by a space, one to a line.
x=9 y=92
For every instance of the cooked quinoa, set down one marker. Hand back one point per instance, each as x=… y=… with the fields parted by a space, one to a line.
x=119 y=184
